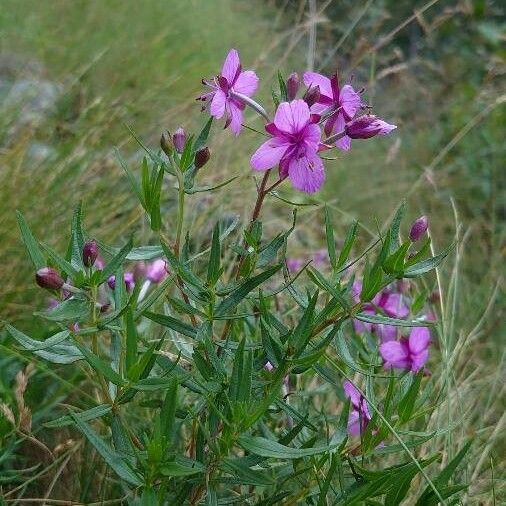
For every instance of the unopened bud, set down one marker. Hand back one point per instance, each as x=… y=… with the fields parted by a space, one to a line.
x=202 y=157
x=179 y=140
x=165 y=143
x=48 y=278
x=90 y=252
x=292 y=86
x=312 y=95
x=367 y=126
x=419 y=228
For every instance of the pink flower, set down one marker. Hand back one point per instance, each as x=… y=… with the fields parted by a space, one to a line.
x=343 y=103
x=359 y=415
x=294 y=146
x=222 y=98
x=409 y=353
x=156 y=271
x=294 y=264
x=128 y=277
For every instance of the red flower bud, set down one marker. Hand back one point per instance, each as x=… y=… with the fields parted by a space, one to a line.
x=419 y=228
x=292 y=86
x=48 y=278
x=202 y=157
x=90 y=253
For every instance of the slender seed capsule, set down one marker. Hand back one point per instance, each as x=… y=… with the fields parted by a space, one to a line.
x=419 y=228
x=202 y=157
x=90 y=252
x=179 y=140
x=48 y=278
x=292 y=86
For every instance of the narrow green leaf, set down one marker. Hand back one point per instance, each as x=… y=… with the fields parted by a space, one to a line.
x=101 y=366
x=348 y=244
x=113 y=459
x=407 y=403
x=176 y=469
x=424 y=266
x=30 y=242
x=168 y=411
x=231 y=302
x=204 y=134
x=396 y=322
x=116 y=261
x=329 y=234
x=213 y=268
x=131 y=340
x=172 y=323
x=73 y=309
x=84 y=416
x=131 y=178
x=268 y=448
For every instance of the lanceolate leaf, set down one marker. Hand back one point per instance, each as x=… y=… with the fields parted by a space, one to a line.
x=424 y=266
x=31 y=244
x=85 y=416
x=117 y=463
x=268 y=448
x=101 y=366
x=172 y=323
x=116 y=262
x=396 y=322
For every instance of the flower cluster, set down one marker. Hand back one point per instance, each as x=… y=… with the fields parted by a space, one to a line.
x=295 y=134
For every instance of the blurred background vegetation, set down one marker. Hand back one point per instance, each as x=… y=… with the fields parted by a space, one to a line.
x=74 y=74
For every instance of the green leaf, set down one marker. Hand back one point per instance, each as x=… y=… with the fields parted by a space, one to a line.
x=176 y=469
x=348 y=244
x=394 y=264
x=204 y=134
x=268 y=448
x=131 y=340
x=116 y=262
x=396 y=322
x=84 y=416
x=168 y=411
x=30 y=242
x=240 y=381
x=57 y=353
x=59 y=261
x=230 y=303
x=424 y=266
x=131 y=178
x=155 y=213
x=268 y=254
x=172 y=323
x=302 y=332
x=329 y=234
x=428 y=497
x=113 y=459
x=244 y=475
x=101 y=366
x=396 y=226
x=283 y=93
x=73 y=309
x=213 y=268
x=407 y=403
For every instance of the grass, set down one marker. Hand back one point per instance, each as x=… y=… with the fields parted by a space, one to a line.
x=120 y=63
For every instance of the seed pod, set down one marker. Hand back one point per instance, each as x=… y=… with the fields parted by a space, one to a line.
x=48 y=278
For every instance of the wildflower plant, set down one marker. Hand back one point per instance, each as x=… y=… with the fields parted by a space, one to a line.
x=261 y=380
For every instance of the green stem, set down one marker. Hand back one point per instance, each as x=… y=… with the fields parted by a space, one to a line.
x=180 y=211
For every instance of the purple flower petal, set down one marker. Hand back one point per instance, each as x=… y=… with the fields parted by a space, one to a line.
x=419 y=360
x=218 y=104
x=236 y=117
x=349 y=100
x=306 y=173
x=246 y=83
x=386 y=332
x=231 y=66
x=313 y=79
x=394 y=306
x=292 y=117
x=395 y=354
x=419 y=339
x=269 y=154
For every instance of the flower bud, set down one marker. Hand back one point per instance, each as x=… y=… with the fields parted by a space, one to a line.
x=202 y=157
x=419 y=228
x=90 y=253
x=179 y=140
x=165 y=143
x=292 y=86
x=367 y=126
x=48 y=278
x=312 y=95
